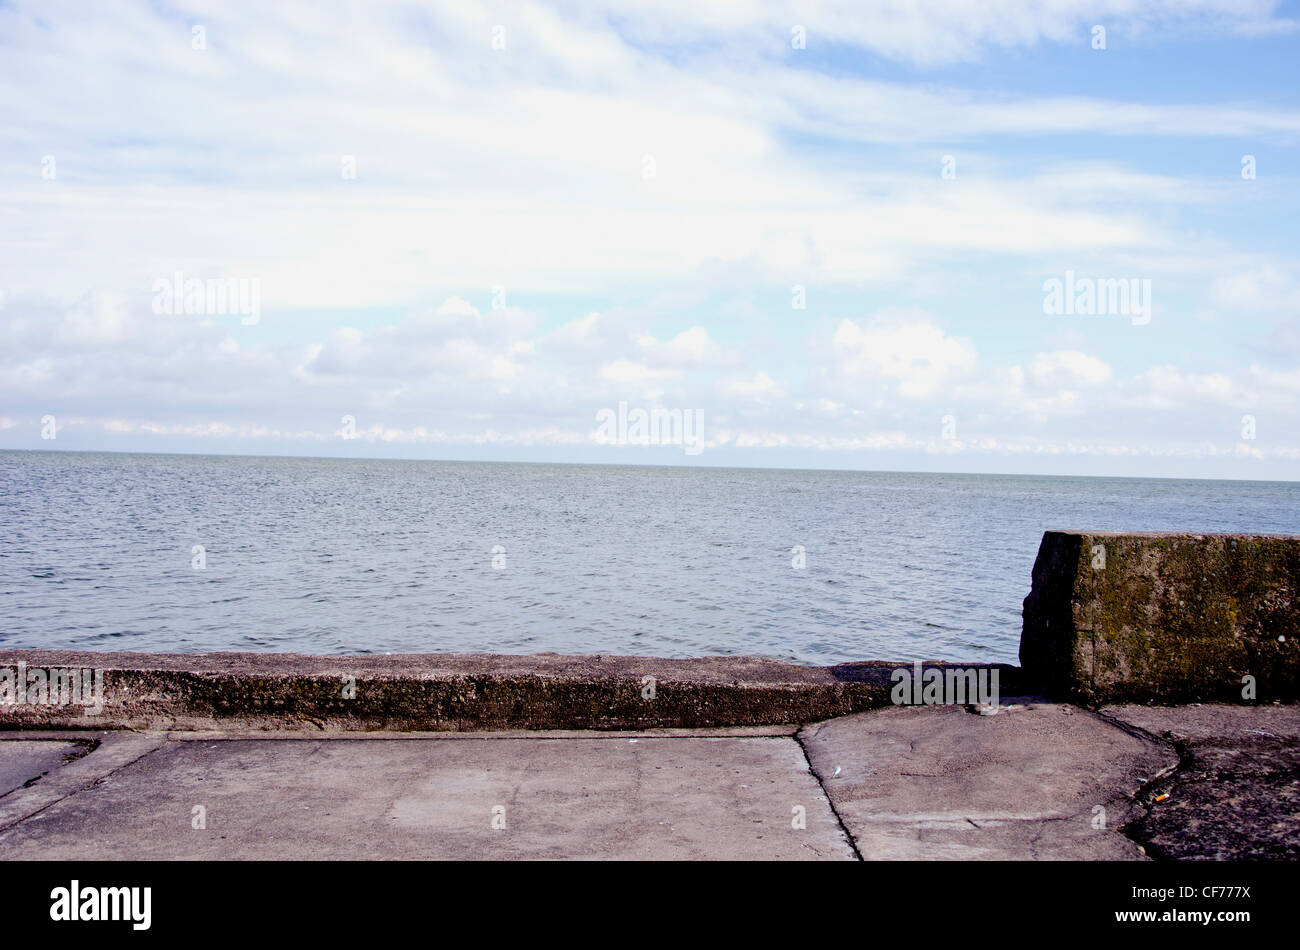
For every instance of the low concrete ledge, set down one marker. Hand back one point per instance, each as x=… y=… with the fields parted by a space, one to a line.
x=1141 y=617
x=453 y=692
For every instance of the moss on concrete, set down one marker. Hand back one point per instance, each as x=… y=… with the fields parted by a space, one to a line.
x=1166 y=617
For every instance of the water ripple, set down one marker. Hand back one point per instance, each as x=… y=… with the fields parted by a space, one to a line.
x=348 y=556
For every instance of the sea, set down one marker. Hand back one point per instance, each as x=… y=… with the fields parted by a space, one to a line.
x=192 y=553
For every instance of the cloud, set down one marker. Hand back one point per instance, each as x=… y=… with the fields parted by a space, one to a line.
x=759 y=387
x=1167 y=387
x=630 y=373
x=453 y=339
x=523 y=167
x=1067 y=368
x=930 y=32
x=900 y=350
x=689 y=348
x=1263 y=288
x=524 y=170
x=451 y=375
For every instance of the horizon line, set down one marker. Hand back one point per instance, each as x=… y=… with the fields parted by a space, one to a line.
x=761 y=468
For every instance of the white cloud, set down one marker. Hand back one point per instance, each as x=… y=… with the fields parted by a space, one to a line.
x=451 y=391
x=759 y=388
x=628 y=372
x=933 y=31
x=1264 y=288
x=523 y=169
x=1167 y=387
x=902 y=349
x=1067 y=368
x=693 y=347
x=453 y=339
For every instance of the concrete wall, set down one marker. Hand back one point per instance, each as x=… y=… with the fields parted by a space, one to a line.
x=1138 y=617
x=453 y=692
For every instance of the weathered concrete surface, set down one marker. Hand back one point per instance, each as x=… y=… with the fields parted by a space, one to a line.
x=1236 y=791
x=437 y=692
x=1035 y=781
x=1135 y=617
x=26 y=760
x=594 y=797
x=1217 y=722
x=104 y=753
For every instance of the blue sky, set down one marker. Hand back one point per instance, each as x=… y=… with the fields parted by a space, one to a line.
x=558 y=208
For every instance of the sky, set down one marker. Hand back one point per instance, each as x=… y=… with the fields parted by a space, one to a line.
x=1055 y=237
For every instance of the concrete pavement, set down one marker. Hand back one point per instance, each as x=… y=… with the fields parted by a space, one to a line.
x=440 y=796
x=23 y=762
x=1236 y=790
x=1038 y=780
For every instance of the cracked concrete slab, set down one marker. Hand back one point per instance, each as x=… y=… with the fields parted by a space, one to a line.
x=1035 y=781
x=1236 y=791
x=677 y=798
x=26 y=760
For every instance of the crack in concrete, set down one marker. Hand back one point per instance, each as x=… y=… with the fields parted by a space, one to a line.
x=86 y=746
x=1141 y=798
x=844 y=828
x=84 y=786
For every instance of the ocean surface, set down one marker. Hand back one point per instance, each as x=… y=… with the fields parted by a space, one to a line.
x=97 y=552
